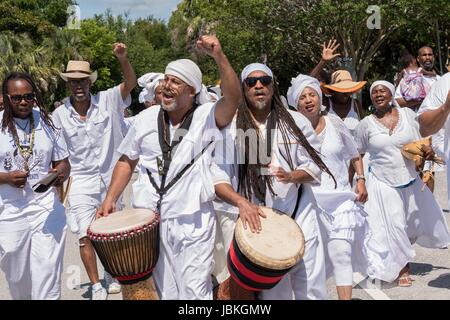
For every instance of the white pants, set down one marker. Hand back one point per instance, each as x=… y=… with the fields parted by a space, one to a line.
x=306 y=281
x=340 y=255
x=32 y=240
x=185 y=262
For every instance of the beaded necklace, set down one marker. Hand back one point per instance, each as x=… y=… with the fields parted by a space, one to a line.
x=26 y=152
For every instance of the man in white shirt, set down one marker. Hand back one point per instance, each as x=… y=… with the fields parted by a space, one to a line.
x=425 y=59
x=174 y=177
x=91 y=125
x=433 y=114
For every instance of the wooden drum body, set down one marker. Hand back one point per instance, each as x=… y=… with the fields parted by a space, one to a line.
x=258 y=261
x=127 y=243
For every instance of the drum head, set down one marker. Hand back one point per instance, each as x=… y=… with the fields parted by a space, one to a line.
x=280 y=245
x=122 y=221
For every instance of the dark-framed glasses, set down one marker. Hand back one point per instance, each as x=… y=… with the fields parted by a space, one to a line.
x=251 y=81
x=17 y=98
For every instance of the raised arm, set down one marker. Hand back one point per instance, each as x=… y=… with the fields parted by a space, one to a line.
x=226 y=107
x=327 y=55
x=120 y=51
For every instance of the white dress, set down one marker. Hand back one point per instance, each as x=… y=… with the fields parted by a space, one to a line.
x=400 y=211
x=341 y=218
x=32 y=225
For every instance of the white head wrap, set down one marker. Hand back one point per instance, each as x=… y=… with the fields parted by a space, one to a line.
x=255 y=67
x=299 y=84
x=149 y=82
x=188 y=71
x=387 y=84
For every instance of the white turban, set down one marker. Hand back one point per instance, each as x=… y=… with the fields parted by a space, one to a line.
x=299 y=84
x=255 y=67
x=188 y=71
x=149 y=82
x=387 y=84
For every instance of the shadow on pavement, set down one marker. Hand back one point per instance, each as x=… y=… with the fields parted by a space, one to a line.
x=421 y=269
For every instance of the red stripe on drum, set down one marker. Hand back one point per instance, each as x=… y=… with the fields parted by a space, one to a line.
x=250 y=274
x=240 y=283
x=134 y=276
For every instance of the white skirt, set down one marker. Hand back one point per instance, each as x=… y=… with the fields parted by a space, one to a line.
x=398 y=218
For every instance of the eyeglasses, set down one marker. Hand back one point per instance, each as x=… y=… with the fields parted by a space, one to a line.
x=76 y=82
x=16 y=99
x=251 y=81
x=172 y=82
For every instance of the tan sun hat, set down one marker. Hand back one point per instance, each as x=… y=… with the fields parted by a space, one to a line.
x=341 y=81
x=78 y=70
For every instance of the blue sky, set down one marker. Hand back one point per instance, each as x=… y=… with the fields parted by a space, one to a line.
x=160 y=9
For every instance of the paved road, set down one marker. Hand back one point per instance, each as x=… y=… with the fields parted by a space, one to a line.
x=430 y=270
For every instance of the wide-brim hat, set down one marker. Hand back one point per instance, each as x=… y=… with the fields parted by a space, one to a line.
x=342 y=81
x=78 y=70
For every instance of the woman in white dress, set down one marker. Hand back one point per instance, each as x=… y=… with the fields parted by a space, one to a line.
x=342 y=220
x=400 y=211
x=32 y=225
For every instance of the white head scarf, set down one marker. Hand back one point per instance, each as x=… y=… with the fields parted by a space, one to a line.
x=255 y=67
x=149 y=82
x=387 y=84
x=188 y=71
x=299 y=84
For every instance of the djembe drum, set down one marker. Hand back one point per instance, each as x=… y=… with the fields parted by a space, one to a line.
x=258 y=261
x=127 y=243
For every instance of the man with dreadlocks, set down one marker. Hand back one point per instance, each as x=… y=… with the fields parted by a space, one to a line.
x=282 y=180
x=32 y=225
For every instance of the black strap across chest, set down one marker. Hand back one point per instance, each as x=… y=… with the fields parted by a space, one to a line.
x=168 y=151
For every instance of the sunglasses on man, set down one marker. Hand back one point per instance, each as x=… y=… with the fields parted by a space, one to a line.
x=16 y=99
x=251 y=81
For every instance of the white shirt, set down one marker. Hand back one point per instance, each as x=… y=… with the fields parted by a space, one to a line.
x=195 y=189
x=93 y=143
x=48 y=146
x=386 y=161
x=285 y=198
x=434 y=99
x=351 y=120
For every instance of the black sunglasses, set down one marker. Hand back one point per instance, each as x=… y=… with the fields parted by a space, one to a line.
x=29 y=97
x=251 y=81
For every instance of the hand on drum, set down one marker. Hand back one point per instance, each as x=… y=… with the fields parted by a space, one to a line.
x=249 y=213
x=108 y=206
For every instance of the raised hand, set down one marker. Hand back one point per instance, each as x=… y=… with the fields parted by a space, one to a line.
x=329 y=49
x=209 y=45
x=120 y=50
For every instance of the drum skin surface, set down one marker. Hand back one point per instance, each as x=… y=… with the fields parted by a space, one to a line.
x=280 y=244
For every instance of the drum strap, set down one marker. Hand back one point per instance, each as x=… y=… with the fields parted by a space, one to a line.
x=168 y=150
x=299 y=195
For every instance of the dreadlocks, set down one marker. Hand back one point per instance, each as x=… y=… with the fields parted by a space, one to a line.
x=7 y=121
x=249 y=173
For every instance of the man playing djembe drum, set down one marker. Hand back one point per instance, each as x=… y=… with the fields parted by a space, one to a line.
x=174 y=176
x=291 y=158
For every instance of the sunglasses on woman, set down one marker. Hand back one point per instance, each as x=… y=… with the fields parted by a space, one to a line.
x=29 y=97
x=251 y=81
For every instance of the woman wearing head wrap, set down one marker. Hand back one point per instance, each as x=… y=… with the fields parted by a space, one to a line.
x=400 y=211
x=151 y=94
x=342 y=220
x=32 y=225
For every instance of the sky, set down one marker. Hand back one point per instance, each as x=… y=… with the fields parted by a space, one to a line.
x=160 y=9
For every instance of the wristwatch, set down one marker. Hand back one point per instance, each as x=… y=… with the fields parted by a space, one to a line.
x=360 y=176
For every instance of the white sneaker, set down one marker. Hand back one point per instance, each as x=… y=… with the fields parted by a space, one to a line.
x=112 y=285
x=98 y=292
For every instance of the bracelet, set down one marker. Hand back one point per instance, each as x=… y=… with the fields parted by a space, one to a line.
x=360 y=177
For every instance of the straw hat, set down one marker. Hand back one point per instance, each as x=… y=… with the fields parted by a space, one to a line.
x=341 y=81
x=78 y=70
